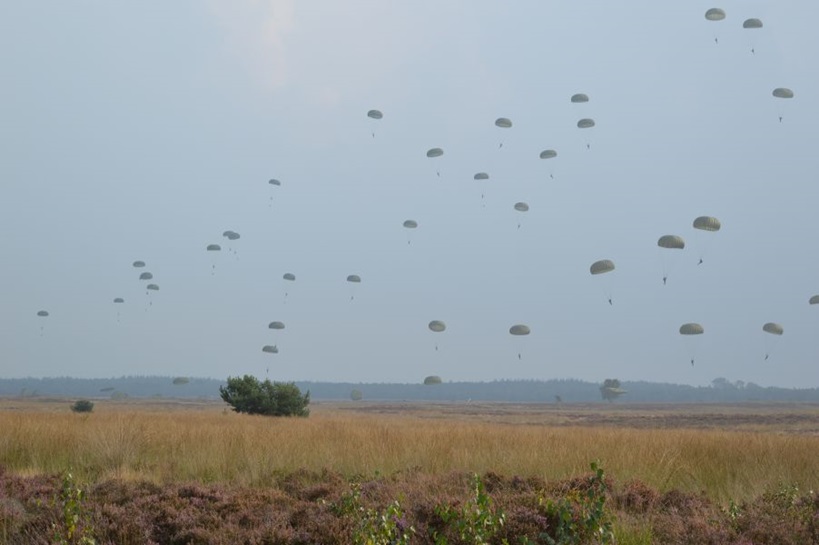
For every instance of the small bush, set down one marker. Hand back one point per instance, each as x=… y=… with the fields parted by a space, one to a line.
x=82 y=406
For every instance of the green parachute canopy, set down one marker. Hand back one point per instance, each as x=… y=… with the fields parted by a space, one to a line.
x=437 y=326
x=354 y=278
x=152 y=287
x=521 y=207
x=375 y=114
x=752 y=23
x=432 y=380
x=548 y=154
x=585 y=123
x=672 y=242
x=503 y=123
x=231 y=235
x=715 y=14
x=289 y=276
x=814 y=300
x=274 y=181
x=410 y=224
x=481 y=176
x=276 y=325
x=707 y=223
x=42 y=313
x=270 y=349
x=773 y=328
x=602 y=266
x=138 y=264
x=782 y=92
x=145 y=276
x=691 y=329
x=435 y=152
x=119 y=300
x=579 y=98
x=519 y=329
x=214 y=248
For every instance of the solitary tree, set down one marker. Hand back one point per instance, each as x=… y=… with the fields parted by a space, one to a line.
x=248 y=395
x=610 y=390
x=82 y=406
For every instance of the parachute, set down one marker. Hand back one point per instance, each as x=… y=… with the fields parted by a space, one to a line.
x=691 y=329
x=434 y=152
x=152 y=287
x=585 y=123
x=752 y=23
x=521 y=207
x=481 y=176
x=119 y=300
x=715 y=14
x=289 y=276
x=42 y=313
x=276 y=325
x=270 y=349
x=673 y=242
x=274 y=181
x=580 y=98
x=145 y=276
x=503 y=123
x=138 y=264
x=548 y=154
x=814 y=300
x=519 y=329
x=437 y=326
x=354 y=278
x=410 y=224
x=231 y=235
x=214 y=248
x=375 y=114
x=782 y=92
x=602 y=266
x=773 y=328
x=707 y=223
x=432 y=380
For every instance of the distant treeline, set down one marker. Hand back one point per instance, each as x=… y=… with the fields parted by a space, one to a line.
x=721 y=390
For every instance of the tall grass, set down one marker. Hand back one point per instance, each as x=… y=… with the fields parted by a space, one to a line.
x=210 y=446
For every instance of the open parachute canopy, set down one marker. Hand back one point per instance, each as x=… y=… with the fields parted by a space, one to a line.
x=231 y=235
x=354 y=278
x=585 y=123
x=707 y=223
x=410 y=224
x=503 y=123
x=782 y=92
x=752 y=23
x=691 y=329
x=814 y=300
x=274 y=181
x=548 y=154
x=437 y=326
x=715 y=14
x=434 y=152
x=153 y=287
x=519 y=329
x=145 y=276
x=481 y=176
x=289 y=276
x=521 y=207
x=138 y=264
x=270 y=349
x=42 y=313
x=276 y=325
x=580 y=98
x=375 y=114
x=602 y=266
x=672 y=242
x=773 y=328
x=214 y=248
x=119 y=300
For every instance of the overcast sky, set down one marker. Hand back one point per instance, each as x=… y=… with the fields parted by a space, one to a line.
x=144 y=130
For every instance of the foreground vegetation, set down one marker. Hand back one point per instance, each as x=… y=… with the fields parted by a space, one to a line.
x=146 y=474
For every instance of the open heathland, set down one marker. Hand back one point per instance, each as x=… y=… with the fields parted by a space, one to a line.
x=193 y=472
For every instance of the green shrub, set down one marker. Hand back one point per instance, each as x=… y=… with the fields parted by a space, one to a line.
x=82 y=406
x=248 y=395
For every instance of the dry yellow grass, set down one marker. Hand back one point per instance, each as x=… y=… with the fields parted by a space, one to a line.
x=206 y=444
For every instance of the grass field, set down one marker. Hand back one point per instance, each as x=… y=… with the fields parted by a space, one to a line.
x=730 y=452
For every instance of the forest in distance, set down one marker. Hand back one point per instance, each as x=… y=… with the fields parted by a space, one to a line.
x=721 y=390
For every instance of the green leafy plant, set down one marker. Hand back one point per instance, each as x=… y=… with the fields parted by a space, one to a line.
x=475 y=522
x=73 y=527
x=248 y=395
x=581 y=516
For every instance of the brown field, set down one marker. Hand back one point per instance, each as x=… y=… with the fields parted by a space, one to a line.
x=670 y=467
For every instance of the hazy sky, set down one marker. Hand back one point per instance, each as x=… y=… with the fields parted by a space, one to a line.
x=143 y=130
